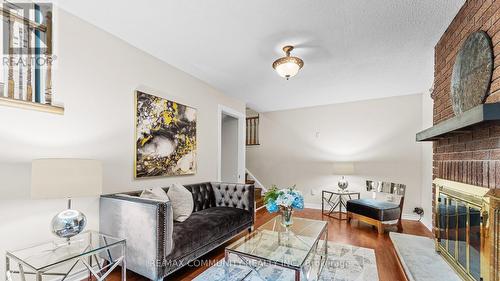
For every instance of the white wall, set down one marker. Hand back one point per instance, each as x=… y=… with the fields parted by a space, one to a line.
x=229 y=149
x=300 y=146
x=426 y=201
x=94 y=78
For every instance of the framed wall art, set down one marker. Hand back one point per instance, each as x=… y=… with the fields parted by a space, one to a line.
x=165 y=137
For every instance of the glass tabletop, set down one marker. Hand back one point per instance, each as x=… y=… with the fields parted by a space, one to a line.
x=340 y=192
x=53 y=252
x=271 y=242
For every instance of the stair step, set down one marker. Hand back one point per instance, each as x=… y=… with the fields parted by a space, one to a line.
x=259 y=203
x=259 y=198
x=258 y=193
x=250 y=181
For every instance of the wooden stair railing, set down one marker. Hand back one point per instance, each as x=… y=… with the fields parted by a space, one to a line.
x=252 y=131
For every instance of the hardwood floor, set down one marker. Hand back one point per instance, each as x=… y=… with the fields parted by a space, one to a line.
x=357 y=233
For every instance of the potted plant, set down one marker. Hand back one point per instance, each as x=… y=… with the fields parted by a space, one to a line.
x=284 y=200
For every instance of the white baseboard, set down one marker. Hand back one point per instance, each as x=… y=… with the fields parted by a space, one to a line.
x=312 y=206
x=411 y=217
x=263 y=206
x=427 y=223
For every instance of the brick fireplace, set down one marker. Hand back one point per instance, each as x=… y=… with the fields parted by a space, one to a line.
x=470 y=156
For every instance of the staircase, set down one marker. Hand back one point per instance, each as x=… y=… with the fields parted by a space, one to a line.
x=252 y=138
x=252 y=133
x=259 y=199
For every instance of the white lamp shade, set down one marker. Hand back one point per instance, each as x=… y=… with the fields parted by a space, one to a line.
x=65 y=178
x=343 y=168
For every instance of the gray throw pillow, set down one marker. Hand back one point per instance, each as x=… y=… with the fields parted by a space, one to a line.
x=156 y=193
x=182 y=202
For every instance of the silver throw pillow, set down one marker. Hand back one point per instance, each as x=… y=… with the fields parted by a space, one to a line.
x=156 y=193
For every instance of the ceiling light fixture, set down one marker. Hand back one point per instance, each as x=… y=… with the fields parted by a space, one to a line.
x=288 y=66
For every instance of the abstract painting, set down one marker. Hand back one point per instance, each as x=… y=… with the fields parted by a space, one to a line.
x=165 y=137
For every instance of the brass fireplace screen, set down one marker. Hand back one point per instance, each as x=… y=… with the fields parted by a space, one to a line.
x=467 y=229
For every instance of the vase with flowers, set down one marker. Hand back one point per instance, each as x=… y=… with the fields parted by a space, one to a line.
x=284 y=200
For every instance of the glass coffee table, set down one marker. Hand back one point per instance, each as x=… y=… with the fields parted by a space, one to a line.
x=61 y=259
x=299 y=253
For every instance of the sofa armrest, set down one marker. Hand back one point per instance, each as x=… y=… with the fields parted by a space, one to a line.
x=147 y=226
x=236 y=195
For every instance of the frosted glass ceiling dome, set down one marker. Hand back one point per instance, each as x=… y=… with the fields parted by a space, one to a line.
x=288 y=66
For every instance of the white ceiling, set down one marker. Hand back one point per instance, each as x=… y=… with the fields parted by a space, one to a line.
x=353 y=50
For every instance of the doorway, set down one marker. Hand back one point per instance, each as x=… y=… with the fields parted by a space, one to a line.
x=231 y=164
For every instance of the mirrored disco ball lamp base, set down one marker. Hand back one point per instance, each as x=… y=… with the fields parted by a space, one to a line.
x=68 y=223
x=343 y=183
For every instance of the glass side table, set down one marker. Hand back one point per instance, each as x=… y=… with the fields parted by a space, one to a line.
x=333 y=199
x=59 y=259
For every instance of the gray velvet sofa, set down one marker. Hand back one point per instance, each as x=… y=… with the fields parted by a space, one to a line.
x=158 y=246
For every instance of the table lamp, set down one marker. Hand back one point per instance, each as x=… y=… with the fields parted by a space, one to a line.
x=343 y=169
x=66 y=178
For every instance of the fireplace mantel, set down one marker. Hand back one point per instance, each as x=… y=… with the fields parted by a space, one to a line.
x=458 y=124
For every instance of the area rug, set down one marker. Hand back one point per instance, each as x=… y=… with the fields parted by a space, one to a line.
x=344 y=263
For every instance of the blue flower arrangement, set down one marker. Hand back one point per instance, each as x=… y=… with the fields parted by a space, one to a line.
x=286 y=198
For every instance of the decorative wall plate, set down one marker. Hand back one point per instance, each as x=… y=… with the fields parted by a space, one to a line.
x=471 y=77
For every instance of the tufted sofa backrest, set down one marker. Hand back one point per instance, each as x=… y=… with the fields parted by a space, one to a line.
x=217 y=194
x=234 y=195
x=203 y=195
